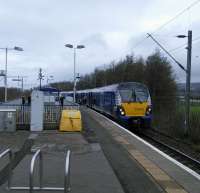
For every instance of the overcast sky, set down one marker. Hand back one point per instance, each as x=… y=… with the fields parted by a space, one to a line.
x=109 y=29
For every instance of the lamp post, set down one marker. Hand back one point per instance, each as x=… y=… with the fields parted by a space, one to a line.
x=74 y=47
x=20 y=79
x=186 y=70
x=6 y=67
x=188 y=80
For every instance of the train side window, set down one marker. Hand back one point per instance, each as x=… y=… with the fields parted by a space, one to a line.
x=113 y=98
x=107 y=98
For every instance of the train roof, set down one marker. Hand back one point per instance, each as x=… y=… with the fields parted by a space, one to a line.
x=112 y=87
x=49 y=89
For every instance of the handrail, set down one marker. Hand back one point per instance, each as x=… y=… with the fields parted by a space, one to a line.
x=31 y=187
x=32 y=167
x=8 y=151
x=67 y=173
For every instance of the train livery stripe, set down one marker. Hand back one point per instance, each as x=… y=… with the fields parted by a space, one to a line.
x=135 y=108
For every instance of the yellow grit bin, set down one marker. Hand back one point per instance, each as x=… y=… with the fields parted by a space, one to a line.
x=70 y=120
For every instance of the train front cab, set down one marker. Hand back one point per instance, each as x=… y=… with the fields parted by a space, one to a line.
x=135 y=114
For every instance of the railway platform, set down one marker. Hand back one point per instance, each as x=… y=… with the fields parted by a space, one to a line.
x=104 y=158
x=170 y=175
x=90 y=171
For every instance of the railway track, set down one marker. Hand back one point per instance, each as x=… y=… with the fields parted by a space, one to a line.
x=178 y=155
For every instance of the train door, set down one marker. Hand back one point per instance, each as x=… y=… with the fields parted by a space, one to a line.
x=108 y=102
x=101 y=101
x=90 y=99
x=113 y=103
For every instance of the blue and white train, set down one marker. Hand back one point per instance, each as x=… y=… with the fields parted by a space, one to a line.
x=127 y=102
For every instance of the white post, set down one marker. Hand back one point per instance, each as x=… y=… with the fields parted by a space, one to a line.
x=74 y=95
x=37 y=110
x=6 y=75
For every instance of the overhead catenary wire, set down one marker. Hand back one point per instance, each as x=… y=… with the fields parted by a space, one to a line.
x=168 y=22
x=176 y=16
x=179 y=64
x=139 y=42
x=183 y=45
x=178 y=47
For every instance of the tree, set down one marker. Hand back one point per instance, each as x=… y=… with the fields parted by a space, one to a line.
x=160 y=80
x=13 y=93
x=156 y=73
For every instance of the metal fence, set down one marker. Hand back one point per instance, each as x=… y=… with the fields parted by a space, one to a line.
x=51 y=116
x=169 y=117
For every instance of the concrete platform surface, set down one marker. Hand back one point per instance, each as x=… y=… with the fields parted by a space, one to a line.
x=132 y=176
x=90 y=171
x=105 y=158
x=13 y=140
x=171 y=177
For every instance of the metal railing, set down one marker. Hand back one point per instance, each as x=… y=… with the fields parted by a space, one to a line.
x=23 y=115
x=51 y=115
x=32 y=188
x=32 y=168
x=3 y=154
x=67 y=173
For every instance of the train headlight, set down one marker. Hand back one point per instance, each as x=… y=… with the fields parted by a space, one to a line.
x=121 y=110
x=148 y=110
x=122 y=113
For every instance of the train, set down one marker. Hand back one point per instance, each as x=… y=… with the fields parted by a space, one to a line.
x=128 y=102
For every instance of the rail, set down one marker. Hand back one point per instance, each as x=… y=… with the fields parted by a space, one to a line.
x=31 y=187
x=3 y=154
x=177 y=154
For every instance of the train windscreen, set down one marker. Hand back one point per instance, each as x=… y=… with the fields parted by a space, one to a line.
x=138 y=93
